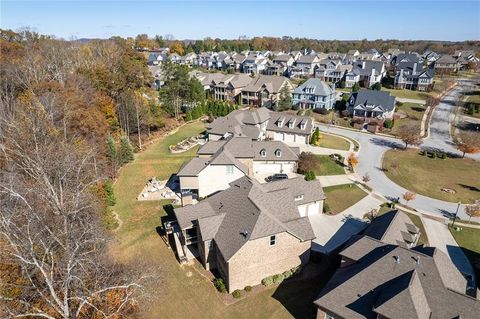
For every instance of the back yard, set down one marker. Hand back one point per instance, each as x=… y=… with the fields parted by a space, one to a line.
x=184 y=292
x=340 y=197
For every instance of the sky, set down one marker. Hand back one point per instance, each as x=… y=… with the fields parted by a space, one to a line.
x=341 y=20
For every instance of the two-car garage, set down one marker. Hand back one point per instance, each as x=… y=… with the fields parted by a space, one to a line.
x=271 y=167
x=290 y=138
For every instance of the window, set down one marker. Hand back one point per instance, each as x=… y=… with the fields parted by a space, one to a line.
x=299 y=197
x=229 y=169
x=273 y=240
x=263 y=153
x=327 y=316
x=278 y=153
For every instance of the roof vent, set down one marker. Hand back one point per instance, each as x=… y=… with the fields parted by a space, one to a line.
x=417 y=260
x=244 y=234
x=397 y=259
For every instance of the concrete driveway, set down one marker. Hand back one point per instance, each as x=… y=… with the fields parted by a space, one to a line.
x=439 y=236
x=333 y=231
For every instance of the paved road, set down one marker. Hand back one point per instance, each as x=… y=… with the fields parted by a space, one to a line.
x=373 y=146
x=442 y=119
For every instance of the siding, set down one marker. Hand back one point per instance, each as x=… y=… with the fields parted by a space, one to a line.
x=214 y=178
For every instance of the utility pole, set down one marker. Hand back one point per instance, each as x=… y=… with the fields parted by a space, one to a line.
x=456 y=212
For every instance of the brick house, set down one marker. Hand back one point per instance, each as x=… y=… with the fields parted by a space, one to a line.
x=251 y=231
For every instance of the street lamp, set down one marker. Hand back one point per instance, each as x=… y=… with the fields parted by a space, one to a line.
x=456 y=212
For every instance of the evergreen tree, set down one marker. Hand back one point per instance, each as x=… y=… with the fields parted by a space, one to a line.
x=109 y=194
x=285 y=102
x=188 y=116
x=112 y=150
x=126 y=150
x=356 y=87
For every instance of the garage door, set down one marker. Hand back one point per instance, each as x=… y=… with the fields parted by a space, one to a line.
x=260 y=168
x=277 y=136
x=288 y=168
x=289 y=138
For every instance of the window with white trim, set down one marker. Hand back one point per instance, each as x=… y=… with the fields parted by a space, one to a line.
x=278 y=152
x=263 y=153
x=273 y=240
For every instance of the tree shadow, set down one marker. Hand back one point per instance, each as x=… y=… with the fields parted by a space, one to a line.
x=387 y=143
x=470 y=187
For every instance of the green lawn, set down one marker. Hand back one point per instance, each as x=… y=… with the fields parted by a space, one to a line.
x=335 y=142
x=468 y=238
x=183 y=292
x=407 y=94
x=414 y=114
x=427 y=176
x=327 y=166
x=473 y=98
x=340 y=197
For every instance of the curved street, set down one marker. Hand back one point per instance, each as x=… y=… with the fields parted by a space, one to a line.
x=373 y=146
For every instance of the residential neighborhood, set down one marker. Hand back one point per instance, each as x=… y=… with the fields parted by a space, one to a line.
x=230 y=159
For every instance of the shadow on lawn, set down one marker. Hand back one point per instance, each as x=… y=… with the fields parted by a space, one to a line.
x=298 y=294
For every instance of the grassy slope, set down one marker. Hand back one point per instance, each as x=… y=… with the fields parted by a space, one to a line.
x=184 y=293
x=327 y=166
x=427 y=176
x=414 y=114
x=340 y=197
x=335 y=142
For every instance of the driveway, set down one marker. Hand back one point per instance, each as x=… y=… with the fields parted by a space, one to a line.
x=439 y=236
x=333 y=231
x=332 y=180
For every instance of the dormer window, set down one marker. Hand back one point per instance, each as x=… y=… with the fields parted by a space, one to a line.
x=263 y=153
x=280 y=123
x=290 y=125
x=302 y=126
x=278 y=152
x=299 y=197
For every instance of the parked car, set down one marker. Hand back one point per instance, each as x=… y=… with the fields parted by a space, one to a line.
x=276 y=177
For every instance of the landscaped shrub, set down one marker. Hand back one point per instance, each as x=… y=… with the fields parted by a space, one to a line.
x=441 y=155
x=300 y=112
x=220 y=285
x=308 y=112
x=326 y=208
x=310 y=176
x=345 y=113
x=236 y=294
x=277 y=279
x=295 y=270
x=268 y=281
x=287 y=274
x=248 y=288
x=388 y=123
x=321 y=110
x=422 y=152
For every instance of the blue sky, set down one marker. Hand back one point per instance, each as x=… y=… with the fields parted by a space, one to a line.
x=387 y=19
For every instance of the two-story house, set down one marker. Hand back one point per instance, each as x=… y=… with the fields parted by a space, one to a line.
x=254 y=64
x=224 y=161
x=305 y=65
x=251 y=231
x=371 y=105
x=314 y=94
x=367 y=73
x=412 y=76
x=264 y=90
x=260 y=123
x=446 y=64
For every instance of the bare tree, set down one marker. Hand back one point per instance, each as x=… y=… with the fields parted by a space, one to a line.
x=49 y=227
x=410 y=135
x=468 y=142
x=473 y=210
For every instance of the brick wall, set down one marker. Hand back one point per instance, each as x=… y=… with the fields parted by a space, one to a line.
x=257 y=259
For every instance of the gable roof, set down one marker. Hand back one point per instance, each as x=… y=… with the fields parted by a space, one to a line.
x=272 y=83
x=393 y=227
x=251 y=210
x=296 y=120
x=366 y=67
x=373 y=98
x=397 y=282
x=319 y=87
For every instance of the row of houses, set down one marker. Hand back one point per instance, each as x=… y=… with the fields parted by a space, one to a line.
x=246 y=230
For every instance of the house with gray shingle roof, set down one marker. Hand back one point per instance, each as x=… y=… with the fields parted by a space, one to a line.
x=381 y=277
x=221 y=162
x=367 y=73
x=314 y=94
x=260 y=123
x=371 y=104
x=413 y=76
x=250 y=231
x=264 y=90
x=446 y=64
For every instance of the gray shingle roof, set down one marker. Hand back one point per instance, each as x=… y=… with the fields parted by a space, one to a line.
x=388 y=280
x=276 y=117
x=366 y=67
x=375 y=98
x=393 y=227
x=250 y=211
x=272 y=83
x=319 y=87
